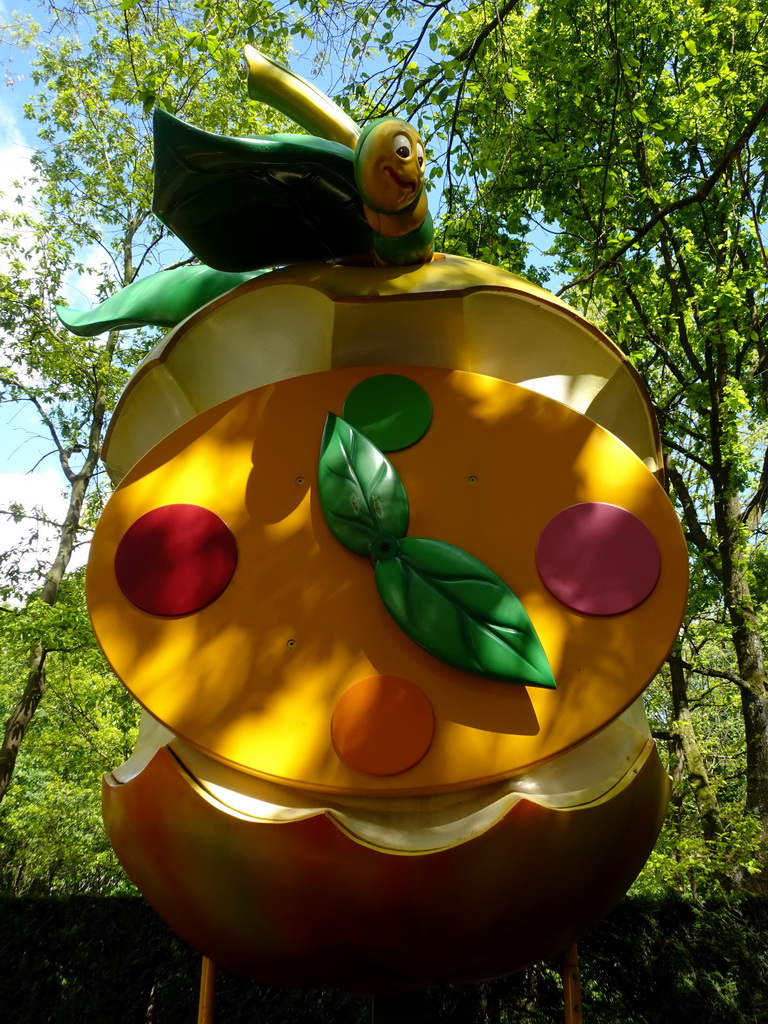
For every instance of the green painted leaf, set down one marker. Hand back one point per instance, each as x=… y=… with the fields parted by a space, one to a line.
x=245 y=204
x=162 y=300
x=360 y=493
x=460 y=611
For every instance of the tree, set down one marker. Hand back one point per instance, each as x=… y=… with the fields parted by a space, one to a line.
x=636 y=136
x=50 y=840
x=91 y=186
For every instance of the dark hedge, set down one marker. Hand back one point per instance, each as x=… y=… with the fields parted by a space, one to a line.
x=110 y=960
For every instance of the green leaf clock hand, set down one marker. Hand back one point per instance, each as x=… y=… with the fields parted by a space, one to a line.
x=443 y=598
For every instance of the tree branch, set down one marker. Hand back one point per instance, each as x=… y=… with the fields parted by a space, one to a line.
x=698 y=196
x=695 y=529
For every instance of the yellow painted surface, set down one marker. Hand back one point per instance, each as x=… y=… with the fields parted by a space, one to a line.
x=452 y=313
x=302 y=102
x=253 y=678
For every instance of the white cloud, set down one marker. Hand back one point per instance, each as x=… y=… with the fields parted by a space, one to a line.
x=32 y=542
x=15 y=156
x=27 y=481
x=23 y=441
x=35 y=493
x=81 y=289
x=16 y=172
x=29 y=489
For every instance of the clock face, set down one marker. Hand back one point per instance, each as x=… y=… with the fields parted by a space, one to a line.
x=237 y=612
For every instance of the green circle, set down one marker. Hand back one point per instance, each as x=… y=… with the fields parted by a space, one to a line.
x=392 y=411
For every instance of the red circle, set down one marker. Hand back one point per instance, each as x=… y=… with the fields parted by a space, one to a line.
x=598 y=559
x=175 y=560
x=382 y=725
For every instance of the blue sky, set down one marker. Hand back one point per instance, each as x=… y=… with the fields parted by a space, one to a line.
x=24 y=477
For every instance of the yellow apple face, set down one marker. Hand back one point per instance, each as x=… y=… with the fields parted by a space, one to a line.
x=230 y=610
x=323 y=805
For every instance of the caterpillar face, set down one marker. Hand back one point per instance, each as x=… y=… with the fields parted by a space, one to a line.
x=389 y=165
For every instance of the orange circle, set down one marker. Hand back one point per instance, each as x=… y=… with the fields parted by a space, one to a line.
x=382 y=725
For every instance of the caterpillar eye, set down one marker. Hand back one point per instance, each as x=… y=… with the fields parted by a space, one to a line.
x=420 y=154
x=402 y=145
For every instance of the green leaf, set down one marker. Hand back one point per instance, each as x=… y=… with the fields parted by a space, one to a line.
x=244 y=206
x=147 y=99
x=163 y=300
x=459 y=610
x=360 y=493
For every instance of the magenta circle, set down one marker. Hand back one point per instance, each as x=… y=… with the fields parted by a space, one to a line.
x=598 y=559
x=175 y=560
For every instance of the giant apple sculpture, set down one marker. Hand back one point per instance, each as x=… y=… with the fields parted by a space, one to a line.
x=388 y=566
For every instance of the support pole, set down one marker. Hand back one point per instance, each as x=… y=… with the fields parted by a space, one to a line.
x=206 y=1006
x=571 y=985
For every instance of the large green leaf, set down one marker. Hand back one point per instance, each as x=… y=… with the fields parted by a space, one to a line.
x=361 y=495
x=162 y=300
x=460 y=611
x=245 y=204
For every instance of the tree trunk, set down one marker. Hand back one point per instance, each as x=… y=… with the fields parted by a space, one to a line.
x=21 y=716
x=706 y=800
x=755 y=710
x=751 y=663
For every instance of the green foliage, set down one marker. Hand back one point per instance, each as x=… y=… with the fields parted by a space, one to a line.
x=636 y=136
x=84 y=213
x=655 y=961
x=651 y=962
x=51 y=836
x=633 y=135
x=689 y=858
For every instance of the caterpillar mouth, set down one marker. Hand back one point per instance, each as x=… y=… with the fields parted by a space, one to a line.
x=410 y=186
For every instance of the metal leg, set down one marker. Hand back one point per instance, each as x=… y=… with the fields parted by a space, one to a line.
x=205 y=1008
x=571 y=985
